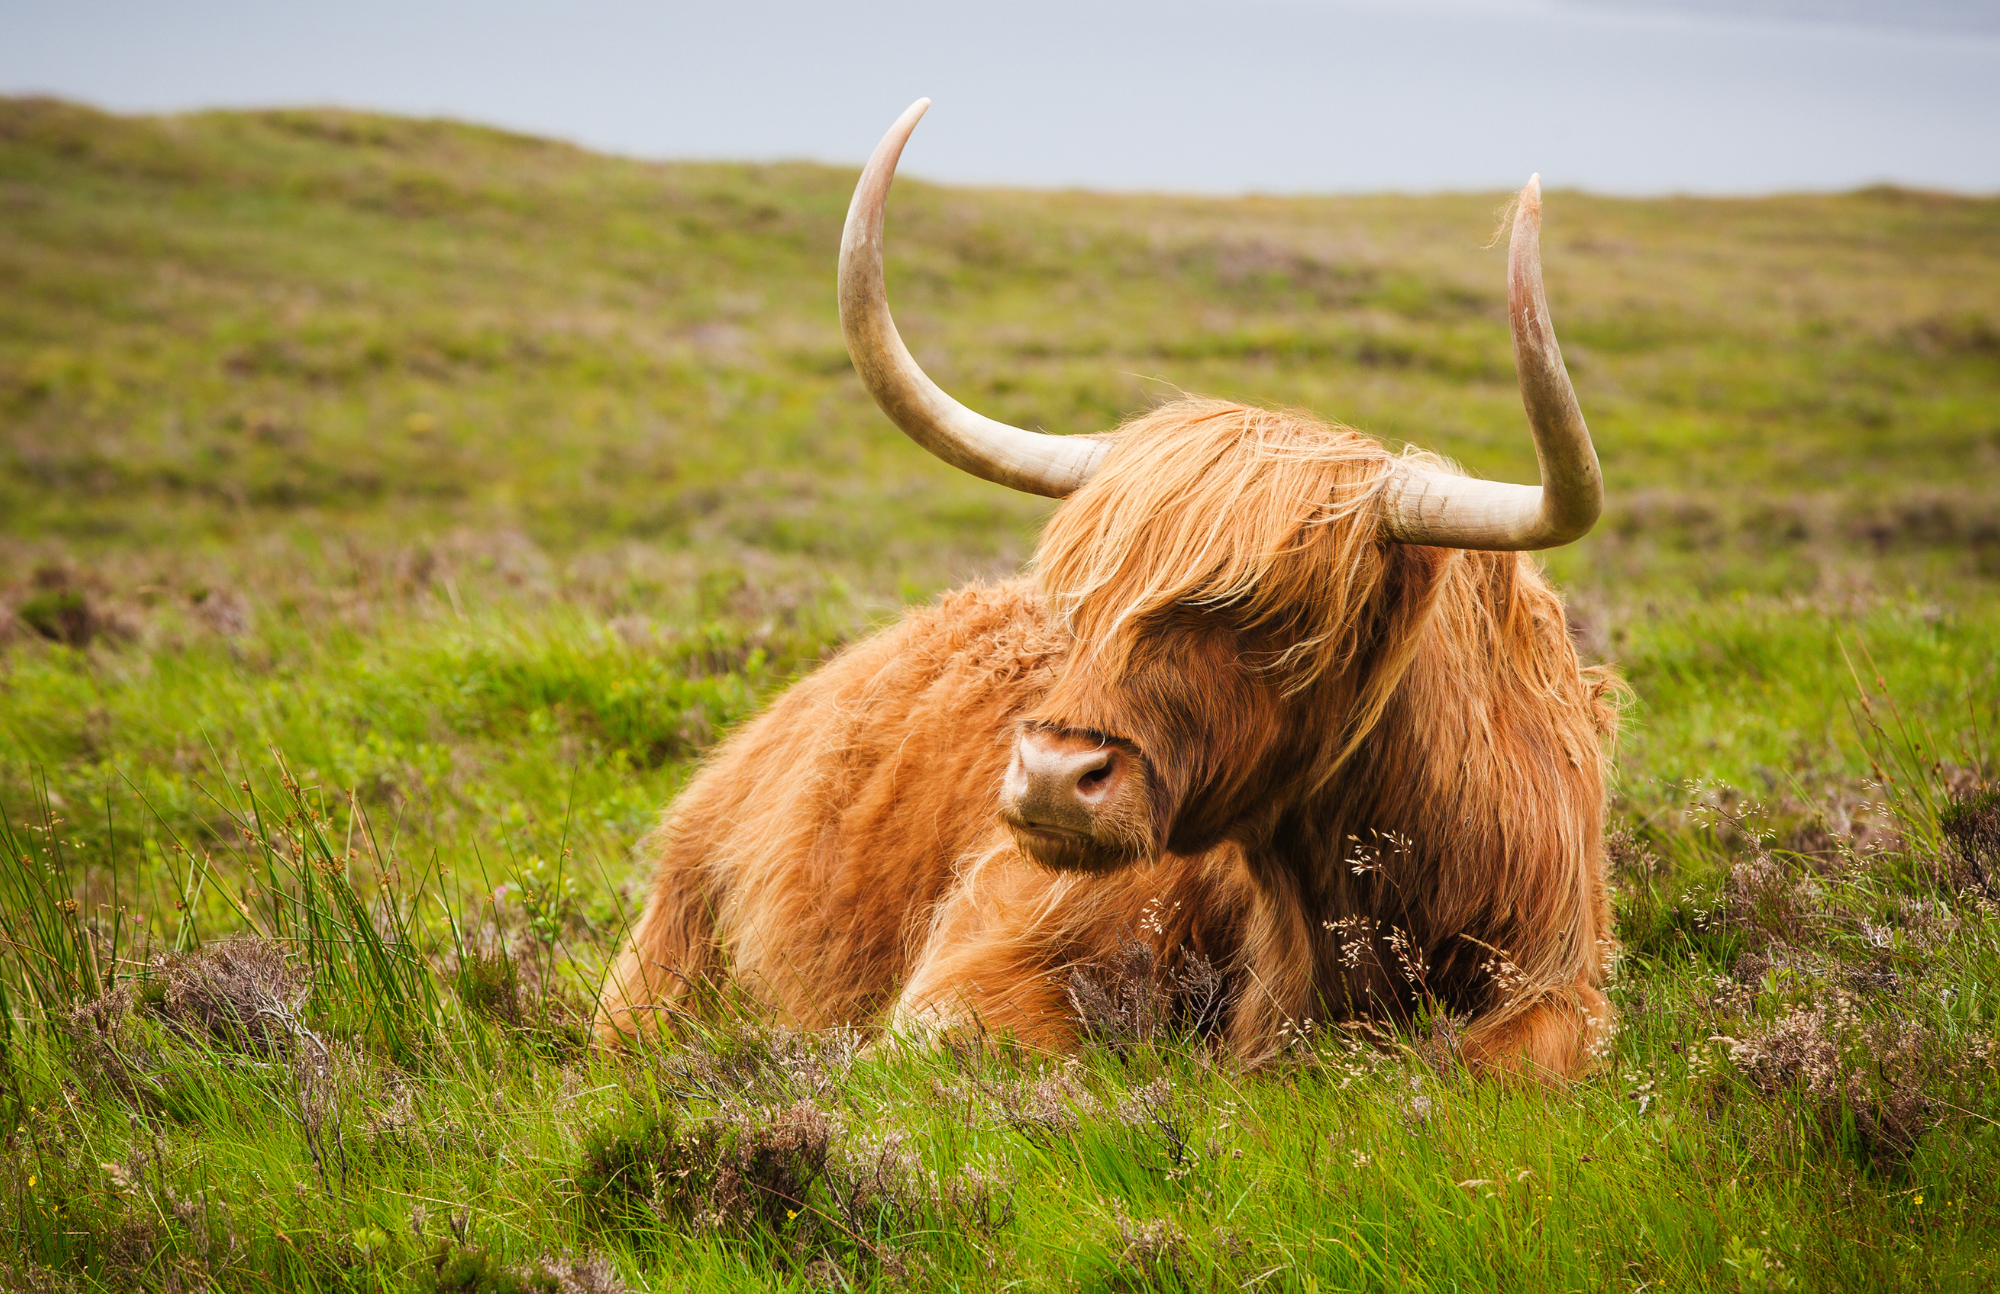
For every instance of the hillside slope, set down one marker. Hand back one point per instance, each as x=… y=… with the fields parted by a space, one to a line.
x=236 y=321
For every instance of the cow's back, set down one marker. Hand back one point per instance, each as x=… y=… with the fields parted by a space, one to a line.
x=804 y=860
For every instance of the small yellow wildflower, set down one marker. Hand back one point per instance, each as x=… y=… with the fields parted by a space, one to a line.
x=1920 y=1198
x=792 y=1213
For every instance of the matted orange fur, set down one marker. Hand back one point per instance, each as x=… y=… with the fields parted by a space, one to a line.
x=1371 y=779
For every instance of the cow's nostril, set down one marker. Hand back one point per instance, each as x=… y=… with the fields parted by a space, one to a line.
x=1098 y=781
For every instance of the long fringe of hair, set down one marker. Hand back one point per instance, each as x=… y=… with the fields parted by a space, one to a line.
x=1217 y=505
x=1269 y=515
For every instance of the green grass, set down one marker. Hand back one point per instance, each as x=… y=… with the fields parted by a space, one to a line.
x=1767 y=1119
x=391 y=512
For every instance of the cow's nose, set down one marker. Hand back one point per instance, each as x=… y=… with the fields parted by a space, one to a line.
x=1057 y=781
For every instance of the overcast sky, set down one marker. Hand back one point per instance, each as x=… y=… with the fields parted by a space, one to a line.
x=1627 y=96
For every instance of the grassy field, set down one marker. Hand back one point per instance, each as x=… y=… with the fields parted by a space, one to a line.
x=392 y=511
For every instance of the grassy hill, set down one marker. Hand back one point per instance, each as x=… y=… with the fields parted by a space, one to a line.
x=228 y=322
x=422 y=499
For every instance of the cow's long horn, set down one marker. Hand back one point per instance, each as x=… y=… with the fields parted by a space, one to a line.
x=1425 y=507
x=1026 y=460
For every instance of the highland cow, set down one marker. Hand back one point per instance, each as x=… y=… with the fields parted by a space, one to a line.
x=1272 y=697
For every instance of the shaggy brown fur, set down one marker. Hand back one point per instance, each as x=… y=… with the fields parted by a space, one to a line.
x=1375 y=775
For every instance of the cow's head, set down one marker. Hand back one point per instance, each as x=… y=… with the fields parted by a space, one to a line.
x=1233 y=580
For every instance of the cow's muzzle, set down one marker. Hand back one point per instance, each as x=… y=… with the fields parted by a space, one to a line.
x=1075 y=801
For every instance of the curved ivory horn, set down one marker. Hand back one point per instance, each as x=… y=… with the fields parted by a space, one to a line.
x=1026 y=460
x=1426 y=507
